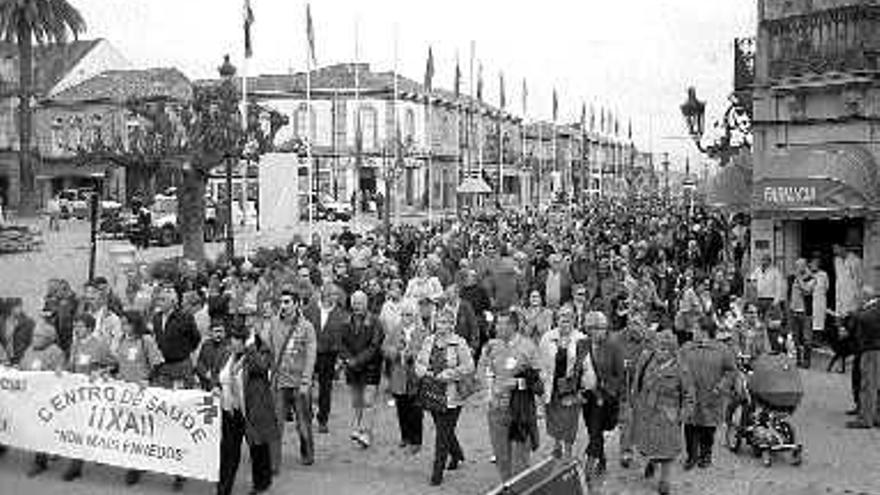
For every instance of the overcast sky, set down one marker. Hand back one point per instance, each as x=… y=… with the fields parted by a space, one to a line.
x=635 y=57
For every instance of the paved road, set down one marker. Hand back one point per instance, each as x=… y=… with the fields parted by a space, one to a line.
x=837 y=461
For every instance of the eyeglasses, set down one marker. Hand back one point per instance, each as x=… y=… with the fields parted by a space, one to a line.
x=286 y=302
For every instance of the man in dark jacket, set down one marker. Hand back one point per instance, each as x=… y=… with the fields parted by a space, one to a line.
x=178 y=338
x=466 y=325
x=362 y=357
x=478 y=298
x=330 y=322
x=867 y=326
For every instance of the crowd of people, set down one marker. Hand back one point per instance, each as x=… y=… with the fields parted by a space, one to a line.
x=626 y=315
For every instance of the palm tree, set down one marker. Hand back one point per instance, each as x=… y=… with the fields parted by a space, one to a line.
x=23 y=22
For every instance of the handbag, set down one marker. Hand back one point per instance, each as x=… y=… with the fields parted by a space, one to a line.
x=432 y=394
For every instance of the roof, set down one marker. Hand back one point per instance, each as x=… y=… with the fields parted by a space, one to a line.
x=52 y=62
x=120 y=86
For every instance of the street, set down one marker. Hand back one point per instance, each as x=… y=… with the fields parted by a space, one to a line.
x=837 y=461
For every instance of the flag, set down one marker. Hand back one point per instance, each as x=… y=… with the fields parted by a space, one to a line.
x=310 y=34
x=555 y=105
x=457 y=77
x=480 y=82
x=248 y=15
x=583 y=117
x=525 y=97
x=592 y=118
x=602 y=121
x=629 y=131
x=429 y=71
x=616 y=125
x=502 y=101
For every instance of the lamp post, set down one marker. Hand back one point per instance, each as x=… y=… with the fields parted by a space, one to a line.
x=94 y=209
x=227 y=72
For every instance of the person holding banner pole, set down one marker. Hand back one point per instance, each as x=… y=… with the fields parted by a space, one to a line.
x=248 y=409
x=42 y=355
x=138 y=357
x=89 y=355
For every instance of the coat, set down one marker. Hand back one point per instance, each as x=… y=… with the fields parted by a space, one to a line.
x=607 y=358
x=22 y=333
x=261 y=426
x=362 y=348
x=401 y=357
x=547 y=348
x=820 y=300
x=458 y=359
x=328 y=336
x=711 y=364
x=663 y=397
x=466 y=325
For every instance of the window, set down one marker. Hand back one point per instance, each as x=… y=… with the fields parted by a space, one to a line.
x=301 y=120
x=409 y=124
x=76 y=133
x=57 y=138
x=369 y=120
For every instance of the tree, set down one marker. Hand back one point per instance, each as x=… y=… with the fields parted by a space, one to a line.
x=194 y=136
x=23 y=22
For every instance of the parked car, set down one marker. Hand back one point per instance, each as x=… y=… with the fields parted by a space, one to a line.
x=74 y=203
x=164 y=225
x=324 y=207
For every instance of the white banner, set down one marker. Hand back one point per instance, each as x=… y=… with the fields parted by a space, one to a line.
x=111 y=422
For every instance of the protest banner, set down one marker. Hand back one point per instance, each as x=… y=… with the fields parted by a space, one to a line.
x=111 y=422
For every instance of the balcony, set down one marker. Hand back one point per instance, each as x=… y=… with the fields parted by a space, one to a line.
x=842 y=40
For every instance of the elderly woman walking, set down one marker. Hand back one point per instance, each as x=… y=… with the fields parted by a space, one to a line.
x=445 y=358
x=510 y=367
x=712 y=364
x=400 y=348
x=560 y=350
x=663 y=396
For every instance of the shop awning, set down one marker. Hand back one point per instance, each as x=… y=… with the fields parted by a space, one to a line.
x=474 y=186
x=818 y=180
x=731 y=188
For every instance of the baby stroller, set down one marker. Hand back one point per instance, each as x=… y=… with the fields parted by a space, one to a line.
x=761 y=418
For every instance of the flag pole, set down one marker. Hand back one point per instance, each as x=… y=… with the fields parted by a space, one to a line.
x=309 y=175
x=396 y=142
x=357 y=113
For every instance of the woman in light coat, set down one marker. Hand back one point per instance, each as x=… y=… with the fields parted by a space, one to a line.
x=446 y=357
x=820 y=295
x=663 y=396
x=560 y=350
x=401 y=346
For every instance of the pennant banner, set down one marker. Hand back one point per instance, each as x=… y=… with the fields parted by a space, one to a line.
x=111 y=422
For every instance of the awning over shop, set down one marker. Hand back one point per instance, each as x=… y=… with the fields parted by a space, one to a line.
x=731 y=188
x=819 y=180
x=474 y=186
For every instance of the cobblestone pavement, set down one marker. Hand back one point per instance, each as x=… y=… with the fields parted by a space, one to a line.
x=837 y=461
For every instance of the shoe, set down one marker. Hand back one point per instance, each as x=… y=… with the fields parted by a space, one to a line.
x=663 y=488
x=323 y=429
x=307 y=461
x=71 y=474
x=650 y=470
x=436 y=480
x=257 y=491
x=402 y=445
x=857 y=425
x=36 y=470
x=853 y=412
x=414 y=449
x=132 y=478
x=177 y=485
x=454 y=463
x=689 y=464
x=704 y=462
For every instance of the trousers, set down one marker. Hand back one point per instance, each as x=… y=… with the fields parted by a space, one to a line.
x=409 y=418
x=698 y=441
x=325 y=369
x=511 y=458
x=233 y=429
x=869 y=383
x=286 y=400
x=446 y=443
x=595 y=419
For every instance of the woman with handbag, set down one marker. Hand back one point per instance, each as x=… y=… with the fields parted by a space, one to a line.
x=602 y=380
x=443 y=364
x=400 y=348
x=663 y=396
x=558 y=355
x=506 y=357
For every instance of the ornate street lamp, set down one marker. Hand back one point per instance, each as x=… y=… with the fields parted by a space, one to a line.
x=227 y=72
x=694 y=112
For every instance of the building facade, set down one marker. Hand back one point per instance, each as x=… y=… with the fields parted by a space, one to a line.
x=57 y=67
x=420 y=146
x=816 y=117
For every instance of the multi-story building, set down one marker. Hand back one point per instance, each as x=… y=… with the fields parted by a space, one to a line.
x=57 y=67
x=816 y=118
x=420 y=143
